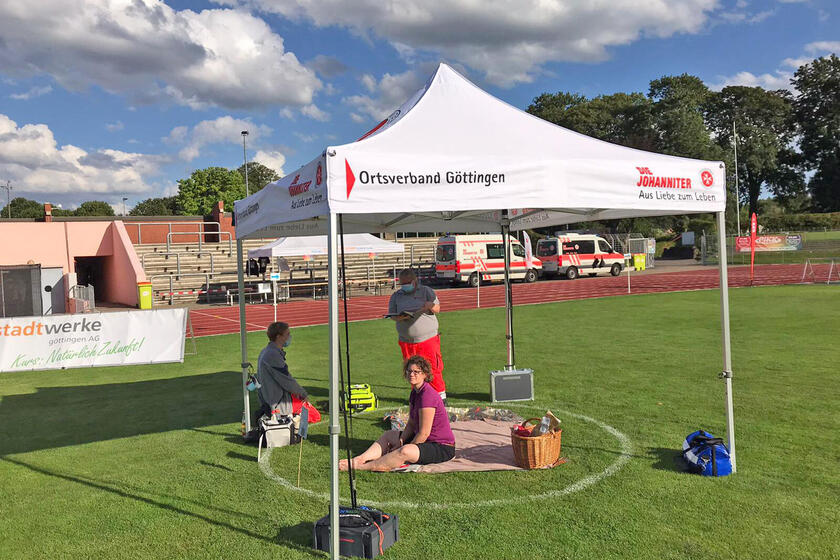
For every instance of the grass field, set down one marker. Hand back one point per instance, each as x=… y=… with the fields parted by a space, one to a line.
x=146 y=461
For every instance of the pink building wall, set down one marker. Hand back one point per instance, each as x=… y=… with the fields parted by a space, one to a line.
x=57 y=244
x=154 y=229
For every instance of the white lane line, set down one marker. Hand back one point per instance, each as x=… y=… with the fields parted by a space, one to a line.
x=626 y=451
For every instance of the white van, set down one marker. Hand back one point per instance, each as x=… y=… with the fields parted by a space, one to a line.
x=463 y=258
x=575 y=254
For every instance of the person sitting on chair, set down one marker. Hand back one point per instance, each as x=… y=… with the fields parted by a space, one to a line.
x=276 y=383
x=427 y=437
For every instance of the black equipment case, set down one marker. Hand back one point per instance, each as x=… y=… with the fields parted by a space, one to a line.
x=363 y=532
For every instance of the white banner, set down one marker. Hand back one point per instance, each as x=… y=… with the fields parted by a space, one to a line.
x=529 y=255
x=92 y=339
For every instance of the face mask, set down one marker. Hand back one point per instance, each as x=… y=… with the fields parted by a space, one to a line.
x=288 y=341
x=407 y=288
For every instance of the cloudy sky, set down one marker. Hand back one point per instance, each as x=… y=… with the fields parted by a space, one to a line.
x=105 y=99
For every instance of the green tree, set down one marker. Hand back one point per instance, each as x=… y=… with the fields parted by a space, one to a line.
x=23 y=208
x=620 y=118
x=678 y=115
x=94 y=208
x=554 y=107
x=165 y=206
x=198 y=194
x=765 y=128
x=817 y=109
x=258 y=176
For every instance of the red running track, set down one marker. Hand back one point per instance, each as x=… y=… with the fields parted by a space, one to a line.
x=225 y=320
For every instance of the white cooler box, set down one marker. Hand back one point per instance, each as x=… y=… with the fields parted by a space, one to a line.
x=279 y=432
x=512 y=385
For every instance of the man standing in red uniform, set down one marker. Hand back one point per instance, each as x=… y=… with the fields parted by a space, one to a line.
x=414 y=308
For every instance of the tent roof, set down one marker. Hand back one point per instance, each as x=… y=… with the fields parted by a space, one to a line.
x=453 y=156
x=317 y=245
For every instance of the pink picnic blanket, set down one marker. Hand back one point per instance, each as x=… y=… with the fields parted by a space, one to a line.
x=481 y=445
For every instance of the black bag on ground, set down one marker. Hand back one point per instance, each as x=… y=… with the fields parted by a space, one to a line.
x=362 y=531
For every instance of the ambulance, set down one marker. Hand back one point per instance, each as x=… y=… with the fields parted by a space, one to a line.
x=575 y=254
x=468 y=258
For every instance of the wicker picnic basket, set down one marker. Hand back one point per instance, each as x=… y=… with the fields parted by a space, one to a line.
x=535 y=452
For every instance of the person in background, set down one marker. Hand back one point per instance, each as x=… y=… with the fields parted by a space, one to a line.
x=427 y=437
x=418 y=332
x=276 y=383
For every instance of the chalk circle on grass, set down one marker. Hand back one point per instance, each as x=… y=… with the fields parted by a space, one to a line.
x=624 y=454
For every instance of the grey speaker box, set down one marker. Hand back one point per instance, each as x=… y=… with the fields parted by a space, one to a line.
x=512 y=385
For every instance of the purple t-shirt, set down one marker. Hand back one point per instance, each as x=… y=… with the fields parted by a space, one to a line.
x=427 y=397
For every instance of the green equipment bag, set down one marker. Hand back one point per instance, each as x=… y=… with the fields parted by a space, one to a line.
x=361 y=398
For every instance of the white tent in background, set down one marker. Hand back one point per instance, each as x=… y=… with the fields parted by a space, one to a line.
x=318 y=245
x=454 y=158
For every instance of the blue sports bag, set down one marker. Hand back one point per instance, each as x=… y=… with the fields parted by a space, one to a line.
x=706 y=454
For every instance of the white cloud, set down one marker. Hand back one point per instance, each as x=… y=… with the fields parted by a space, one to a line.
x=313 y=112
x=746 y=16
x=357 y=118
x=327 y=66
x=779 y=80
x=388 y=94
x=305 y=137
x=223 y=130
x=32 y=93
x=32 y=159
x=151 y=51
x=369 y=82
x=507 y=40
x=114 y=127
x=781 y=77
x=286 y=113
x=823 y=47
x=272 y=159
x=171 y=189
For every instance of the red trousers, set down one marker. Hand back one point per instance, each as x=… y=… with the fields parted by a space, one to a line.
x=429 y=349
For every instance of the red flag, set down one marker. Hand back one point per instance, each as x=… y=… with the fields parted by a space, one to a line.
x=753 y=231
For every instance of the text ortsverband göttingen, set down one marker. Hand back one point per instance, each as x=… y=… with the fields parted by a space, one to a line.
x=449 y=177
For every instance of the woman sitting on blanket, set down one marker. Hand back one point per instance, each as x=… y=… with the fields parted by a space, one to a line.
x=427 y=437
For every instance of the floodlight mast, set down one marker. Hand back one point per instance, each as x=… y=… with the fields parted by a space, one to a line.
x=245 y=159
x=8 y=187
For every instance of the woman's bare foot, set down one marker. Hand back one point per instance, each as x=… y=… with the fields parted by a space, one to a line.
x=342 y=464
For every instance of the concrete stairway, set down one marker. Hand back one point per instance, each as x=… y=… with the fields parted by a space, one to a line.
x=188 y=268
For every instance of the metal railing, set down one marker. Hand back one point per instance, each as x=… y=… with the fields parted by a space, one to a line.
x=200 y=238
x=178 y=259
x=201 y=228
x=85 y=295
x=171 y=277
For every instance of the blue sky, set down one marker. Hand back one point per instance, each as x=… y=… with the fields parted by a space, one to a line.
x=105 y=99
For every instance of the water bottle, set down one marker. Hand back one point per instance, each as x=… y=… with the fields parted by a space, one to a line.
x=544 y=425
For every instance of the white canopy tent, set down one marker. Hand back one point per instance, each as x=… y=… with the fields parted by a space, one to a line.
x=318 y=245
x=454 y=158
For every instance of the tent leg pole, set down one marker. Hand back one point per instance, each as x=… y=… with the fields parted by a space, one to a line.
x=243 y=335
x=332 y=279
x=508 y=293
x=727 y=348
